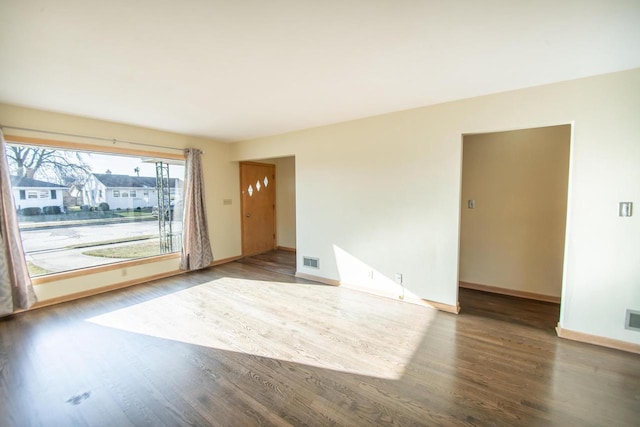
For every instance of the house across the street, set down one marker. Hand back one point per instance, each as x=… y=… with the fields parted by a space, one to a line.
x=33 y=193
x=124 y=191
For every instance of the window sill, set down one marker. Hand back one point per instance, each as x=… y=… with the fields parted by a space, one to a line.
x=54 y=277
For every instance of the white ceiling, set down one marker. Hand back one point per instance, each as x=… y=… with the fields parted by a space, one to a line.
x=238 y=69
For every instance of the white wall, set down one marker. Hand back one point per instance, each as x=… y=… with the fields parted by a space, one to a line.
x=386 y=190
x=514 y=236
x=221 y=182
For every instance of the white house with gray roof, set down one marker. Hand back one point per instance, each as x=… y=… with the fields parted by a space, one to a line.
x=33 y=193
x=126 y=192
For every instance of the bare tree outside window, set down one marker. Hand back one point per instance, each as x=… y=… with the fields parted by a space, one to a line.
x=63 y=167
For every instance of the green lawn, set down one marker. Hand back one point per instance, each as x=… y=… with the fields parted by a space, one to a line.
x=35 y=270
x=136 y=250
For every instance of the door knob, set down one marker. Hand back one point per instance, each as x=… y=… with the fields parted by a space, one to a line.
x=248 y=215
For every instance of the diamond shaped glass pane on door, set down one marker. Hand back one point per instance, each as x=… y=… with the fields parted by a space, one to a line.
x=250 y=190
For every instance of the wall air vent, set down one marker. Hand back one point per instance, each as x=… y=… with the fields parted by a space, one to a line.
x=311 y=262
x=632 y=320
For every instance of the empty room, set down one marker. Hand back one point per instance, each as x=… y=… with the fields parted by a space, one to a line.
x=294 y=213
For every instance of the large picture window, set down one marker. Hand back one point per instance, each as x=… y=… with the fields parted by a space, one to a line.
x=71 y=215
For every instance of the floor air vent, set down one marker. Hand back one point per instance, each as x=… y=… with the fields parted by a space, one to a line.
x=633 y=320
x=311 y=262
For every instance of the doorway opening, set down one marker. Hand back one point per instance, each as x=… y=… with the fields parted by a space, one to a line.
x=268 y=212
x=513 y=213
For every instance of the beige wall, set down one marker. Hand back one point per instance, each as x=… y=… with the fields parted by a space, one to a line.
x=383 y=193
x=286 y=201
x=514 y=237
x=386 y=191
x=221 y=182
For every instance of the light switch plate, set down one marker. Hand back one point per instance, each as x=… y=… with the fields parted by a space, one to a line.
x=471 y=204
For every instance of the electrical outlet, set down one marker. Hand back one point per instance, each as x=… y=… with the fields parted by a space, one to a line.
x=625 y=209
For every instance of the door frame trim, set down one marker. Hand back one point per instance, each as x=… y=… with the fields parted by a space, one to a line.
x=567 y=224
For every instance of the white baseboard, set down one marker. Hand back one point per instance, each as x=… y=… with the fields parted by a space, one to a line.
x=597 y=340
x=412 y=300
x=510 y=292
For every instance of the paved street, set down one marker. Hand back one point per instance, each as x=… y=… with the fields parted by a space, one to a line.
x=51 y=248
x=63 y=237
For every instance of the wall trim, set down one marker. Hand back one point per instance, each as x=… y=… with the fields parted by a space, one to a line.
x=454 y=309
x=318 y=279
x=597 y=340
x=225 y=260
x=286 y=249
x=420 y=301
x=510 y=292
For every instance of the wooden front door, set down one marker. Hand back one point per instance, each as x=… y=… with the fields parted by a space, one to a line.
x=258 y=198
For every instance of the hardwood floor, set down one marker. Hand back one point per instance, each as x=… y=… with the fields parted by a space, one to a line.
x=239 y=345
x=525 y=312
x=283 y=262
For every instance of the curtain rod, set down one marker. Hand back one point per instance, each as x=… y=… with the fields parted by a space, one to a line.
x=113 y=140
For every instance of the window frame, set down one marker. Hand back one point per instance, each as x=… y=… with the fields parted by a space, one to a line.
x=97 y=149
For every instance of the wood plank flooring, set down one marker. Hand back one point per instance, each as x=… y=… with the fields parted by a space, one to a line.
x=240 y=345
x=283 y=262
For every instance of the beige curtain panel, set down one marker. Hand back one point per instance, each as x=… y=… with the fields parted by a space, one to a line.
x=196 y=247
x=16 y=289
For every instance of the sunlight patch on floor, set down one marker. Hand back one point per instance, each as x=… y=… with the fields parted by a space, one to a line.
x=321 y=326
